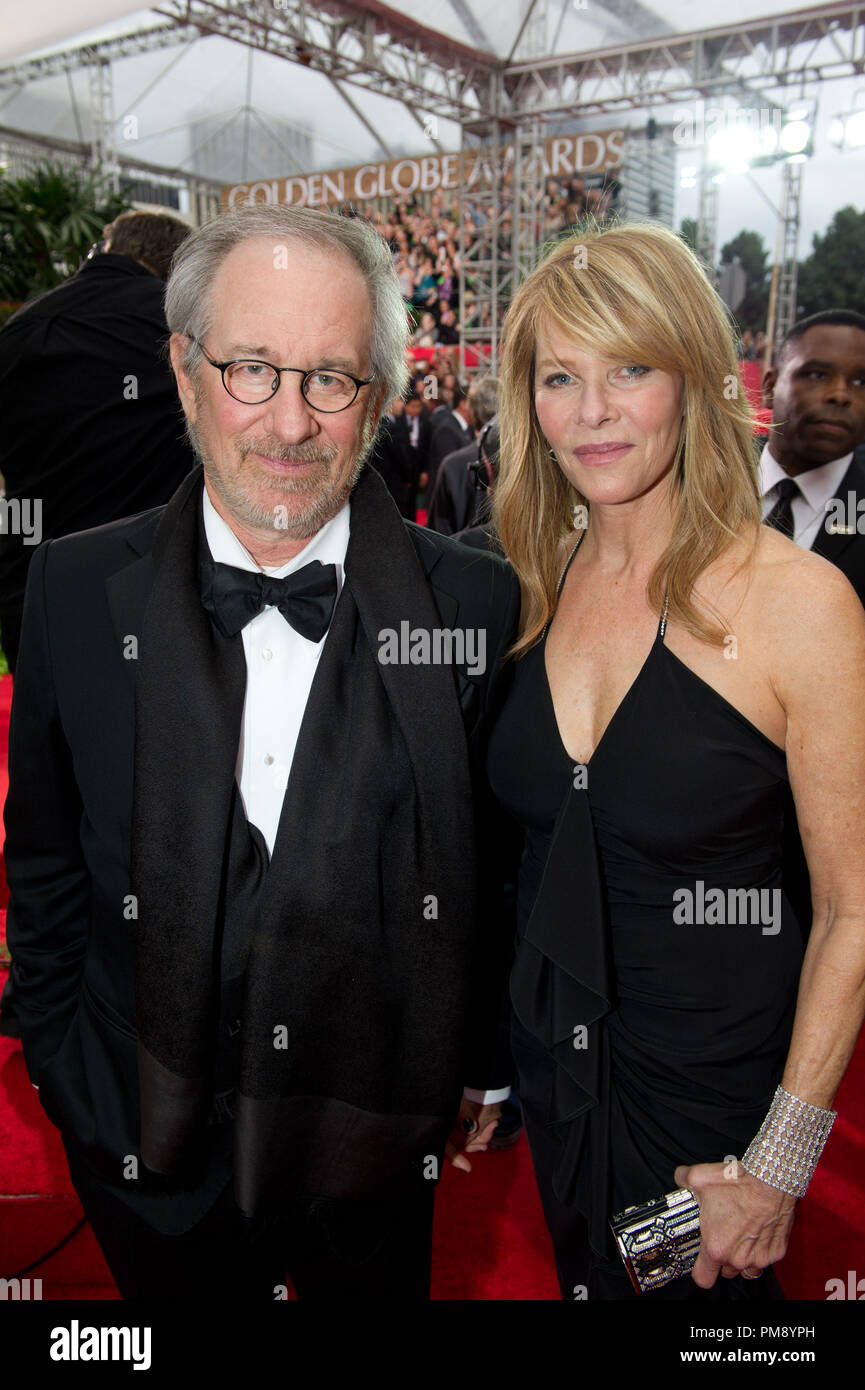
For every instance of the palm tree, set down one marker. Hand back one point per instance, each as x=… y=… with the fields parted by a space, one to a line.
x=49 y=219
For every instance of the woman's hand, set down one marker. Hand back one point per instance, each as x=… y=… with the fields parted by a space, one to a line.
x=744 y=1223
x=475 y=1127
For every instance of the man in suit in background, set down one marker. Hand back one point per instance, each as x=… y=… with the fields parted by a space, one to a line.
x=395 y=460
x=411 y=430
x=255 y=899
x=451 y=430
x=91 y=426
x=812 y=478
x=454 y=501
x=813 y=456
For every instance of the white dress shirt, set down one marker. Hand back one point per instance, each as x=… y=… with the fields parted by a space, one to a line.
x=280 y=668
x=817 y=486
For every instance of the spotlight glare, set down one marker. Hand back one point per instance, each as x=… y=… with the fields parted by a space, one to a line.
x=854 y=130
x=795 y=136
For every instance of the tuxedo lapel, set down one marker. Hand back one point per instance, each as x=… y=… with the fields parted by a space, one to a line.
x=189 y=700
x=127 y=592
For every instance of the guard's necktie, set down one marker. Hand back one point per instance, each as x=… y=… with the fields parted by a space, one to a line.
x=781 y=516
x=233 y=597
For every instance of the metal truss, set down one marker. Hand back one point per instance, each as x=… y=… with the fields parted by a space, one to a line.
x=373 y=47
x=103 y=150
x=707 y=222
x=757 y=57
x=786 y=308
x=368 y=46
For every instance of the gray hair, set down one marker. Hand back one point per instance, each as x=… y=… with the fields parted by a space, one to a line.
x=483 y=400
x=188 y=309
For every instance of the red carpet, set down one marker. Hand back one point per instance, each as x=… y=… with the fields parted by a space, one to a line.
x=490 y=1242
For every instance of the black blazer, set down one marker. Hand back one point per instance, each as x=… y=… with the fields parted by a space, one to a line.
x=419 y=452
x=83 y=367
x=848 y=551
x=455 y=499
x=398 y=463
x=68 y=813
x=448 y=435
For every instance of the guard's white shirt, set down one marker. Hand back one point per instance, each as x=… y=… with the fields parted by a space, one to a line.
x=817 y=487
x=280 y=669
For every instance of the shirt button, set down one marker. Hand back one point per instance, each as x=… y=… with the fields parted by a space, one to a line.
x=280 y=777
x=268 y=759
x=266 y=653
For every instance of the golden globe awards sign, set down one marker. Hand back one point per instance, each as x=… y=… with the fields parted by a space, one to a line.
x=562 y=156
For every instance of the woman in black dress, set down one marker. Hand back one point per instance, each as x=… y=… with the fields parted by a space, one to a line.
x=678 y=663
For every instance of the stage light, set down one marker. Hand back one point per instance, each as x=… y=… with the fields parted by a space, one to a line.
x=847 y=131
x=797 y=132
x=795 y=136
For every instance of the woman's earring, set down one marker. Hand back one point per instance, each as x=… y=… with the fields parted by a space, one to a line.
x=552 y=453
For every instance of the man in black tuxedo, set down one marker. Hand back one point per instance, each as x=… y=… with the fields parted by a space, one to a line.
x=812 y=478
x=451 y=430
x=411 y=435
x=256 y=913
x=395 y=461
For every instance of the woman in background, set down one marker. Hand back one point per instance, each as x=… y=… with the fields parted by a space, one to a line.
x=677 y=663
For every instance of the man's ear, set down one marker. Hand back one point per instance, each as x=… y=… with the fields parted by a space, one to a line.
x=379 y=401
x=185 y=389
x=767 y=387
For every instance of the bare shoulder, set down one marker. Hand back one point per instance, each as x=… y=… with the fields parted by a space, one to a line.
x=809 y=617
x=793 y=588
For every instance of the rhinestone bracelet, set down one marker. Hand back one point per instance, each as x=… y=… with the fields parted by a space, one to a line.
x=787 y=1147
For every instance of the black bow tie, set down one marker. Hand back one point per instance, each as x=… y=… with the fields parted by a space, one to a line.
x=233 y=597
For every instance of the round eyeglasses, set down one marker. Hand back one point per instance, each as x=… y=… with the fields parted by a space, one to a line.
x=253 y=382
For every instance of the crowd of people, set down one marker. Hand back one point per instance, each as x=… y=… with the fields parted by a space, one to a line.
x=429 y=248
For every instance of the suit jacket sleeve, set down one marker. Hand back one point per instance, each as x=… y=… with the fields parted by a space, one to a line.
x=488 y=1063
x=49 y=906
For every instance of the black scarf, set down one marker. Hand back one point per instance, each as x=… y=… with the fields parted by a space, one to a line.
x=356 y=982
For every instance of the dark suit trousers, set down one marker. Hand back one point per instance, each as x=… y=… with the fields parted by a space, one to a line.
x=329 y=1249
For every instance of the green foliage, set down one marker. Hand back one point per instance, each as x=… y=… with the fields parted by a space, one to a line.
x=749 y=249
x=831 y=277
x=688 y=232
x=49 y=219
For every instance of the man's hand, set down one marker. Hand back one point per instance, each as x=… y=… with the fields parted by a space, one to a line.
x=744 y=1223
x=474 y=1139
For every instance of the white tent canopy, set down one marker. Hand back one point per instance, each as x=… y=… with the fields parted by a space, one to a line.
x=225 y=110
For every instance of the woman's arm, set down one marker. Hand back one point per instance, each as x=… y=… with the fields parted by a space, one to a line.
x=814 y=628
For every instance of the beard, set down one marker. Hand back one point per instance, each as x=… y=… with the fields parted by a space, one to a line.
x=301 y=506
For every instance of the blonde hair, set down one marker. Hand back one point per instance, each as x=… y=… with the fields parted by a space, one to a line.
x=635 y=295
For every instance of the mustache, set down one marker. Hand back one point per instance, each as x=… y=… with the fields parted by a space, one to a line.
x=308 y=452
